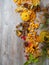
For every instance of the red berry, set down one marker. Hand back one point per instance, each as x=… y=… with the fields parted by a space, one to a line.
x=23 y=37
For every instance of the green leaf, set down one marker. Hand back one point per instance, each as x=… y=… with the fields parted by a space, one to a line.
x=26 y=63
x=31 y=60
x=35 y=60
x=30 y=56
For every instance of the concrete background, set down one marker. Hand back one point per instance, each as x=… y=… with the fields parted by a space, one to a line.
x=11 y=47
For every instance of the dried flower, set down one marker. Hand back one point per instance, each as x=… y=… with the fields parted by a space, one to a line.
x=36 y=2
x=25 y=16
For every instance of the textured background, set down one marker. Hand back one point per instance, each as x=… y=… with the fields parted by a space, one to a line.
x=11 y=48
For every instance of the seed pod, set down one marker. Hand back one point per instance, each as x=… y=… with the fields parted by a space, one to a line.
x=25 y=5
x=18 y=32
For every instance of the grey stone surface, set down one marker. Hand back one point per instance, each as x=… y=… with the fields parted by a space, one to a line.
x=11 y=47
